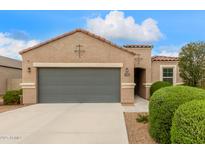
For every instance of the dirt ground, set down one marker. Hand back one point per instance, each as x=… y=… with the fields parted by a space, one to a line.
x=4 y=108
x=137 y=132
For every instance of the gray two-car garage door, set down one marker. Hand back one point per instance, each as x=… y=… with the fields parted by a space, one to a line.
x=71 y=85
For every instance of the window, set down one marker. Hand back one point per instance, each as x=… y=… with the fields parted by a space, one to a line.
x=168 y=75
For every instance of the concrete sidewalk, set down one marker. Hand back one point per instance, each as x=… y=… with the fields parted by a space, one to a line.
x=64 y=123
x=140 y=105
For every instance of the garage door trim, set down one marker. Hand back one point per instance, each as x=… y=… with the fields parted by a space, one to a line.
x=81 y=65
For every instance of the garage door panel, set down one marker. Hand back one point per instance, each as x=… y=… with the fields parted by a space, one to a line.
x=78 y=85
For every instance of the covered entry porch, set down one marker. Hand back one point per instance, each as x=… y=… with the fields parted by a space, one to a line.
x=140 y=79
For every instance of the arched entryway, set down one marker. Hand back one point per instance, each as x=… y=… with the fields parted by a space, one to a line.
x=140 y=79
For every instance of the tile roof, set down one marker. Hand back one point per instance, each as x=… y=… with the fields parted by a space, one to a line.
x=72 y=32
x=138 y=46
x=11 y=63
x=164 y=58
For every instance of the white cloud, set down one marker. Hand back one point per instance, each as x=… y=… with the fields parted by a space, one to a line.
x=116 y=26
x=10 y=46
x=169 y=50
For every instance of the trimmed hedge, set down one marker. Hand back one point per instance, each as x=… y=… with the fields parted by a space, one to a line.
x=12 y=97
x=158 y=85
x=188 y=124
x=162 y=106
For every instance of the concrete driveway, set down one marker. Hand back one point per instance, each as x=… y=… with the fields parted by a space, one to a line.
x=64 y=123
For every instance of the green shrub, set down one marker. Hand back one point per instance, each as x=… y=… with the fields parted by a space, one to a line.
x=188 y=124
x=142 y=118
x=20 y=91
x=158 y=85
x=12 y=97
x=162 y=106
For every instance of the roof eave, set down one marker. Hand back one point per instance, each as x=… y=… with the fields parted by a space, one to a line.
x=72 y=32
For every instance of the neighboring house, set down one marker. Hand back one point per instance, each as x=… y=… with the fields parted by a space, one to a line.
x=10 y=74
x=82 y=67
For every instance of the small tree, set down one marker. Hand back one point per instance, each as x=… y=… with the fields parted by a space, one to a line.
x=192 y=63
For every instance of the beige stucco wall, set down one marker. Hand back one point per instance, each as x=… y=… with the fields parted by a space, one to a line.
x=6 y=74
x=156 y=70
x=14 y=84
x=145 y=63
x=62 y=51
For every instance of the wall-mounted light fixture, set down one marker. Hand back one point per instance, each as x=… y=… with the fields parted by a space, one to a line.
x=29 y=70
x=127 y=72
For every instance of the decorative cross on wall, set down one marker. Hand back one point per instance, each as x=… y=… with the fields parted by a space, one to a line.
x=78 y=50
x=138 y=58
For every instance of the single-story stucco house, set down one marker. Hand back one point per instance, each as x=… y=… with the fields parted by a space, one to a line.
x=79 y=66
x=10 y=74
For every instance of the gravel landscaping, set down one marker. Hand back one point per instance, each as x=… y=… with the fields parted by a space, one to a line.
x=137 y=132
x=4 y=108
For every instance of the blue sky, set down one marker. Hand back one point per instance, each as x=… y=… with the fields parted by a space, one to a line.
x=166 y=30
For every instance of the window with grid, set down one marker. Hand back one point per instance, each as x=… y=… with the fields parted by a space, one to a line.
x=168 y=75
